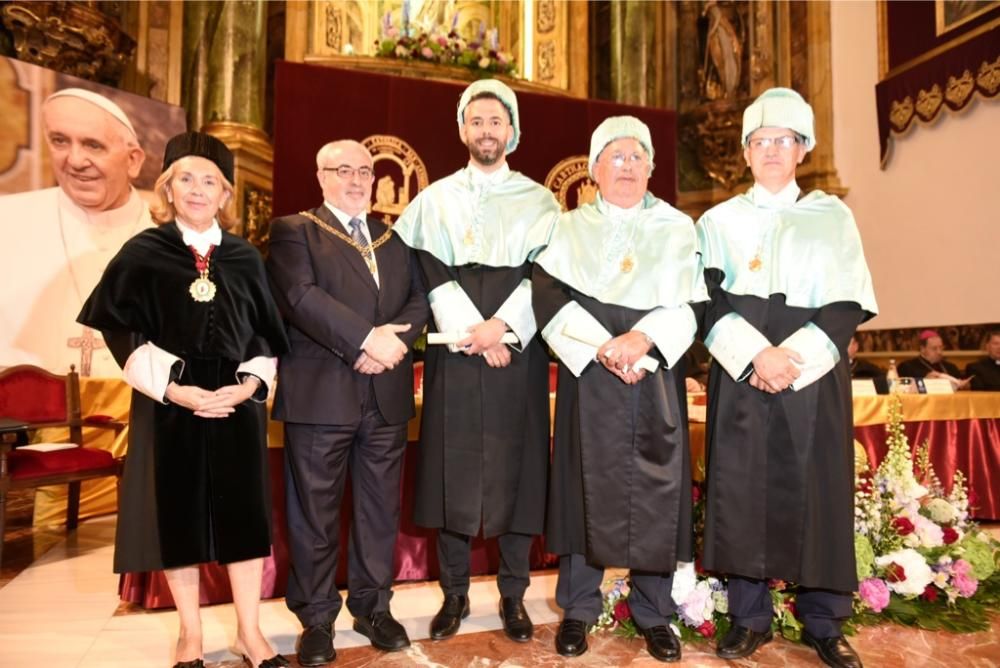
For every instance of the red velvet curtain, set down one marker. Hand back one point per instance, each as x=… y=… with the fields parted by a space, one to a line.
x=316 y=104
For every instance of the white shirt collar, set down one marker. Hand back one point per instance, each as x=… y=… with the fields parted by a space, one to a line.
x=785 y=197
x=479 y=178
x=201 y=240
x=345 y=219
x=619 y=213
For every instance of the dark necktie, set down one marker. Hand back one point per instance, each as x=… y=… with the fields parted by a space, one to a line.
x=362 y=242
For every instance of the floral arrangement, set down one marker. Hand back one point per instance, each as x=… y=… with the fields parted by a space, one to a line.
x=920 y=560
x=482 y=55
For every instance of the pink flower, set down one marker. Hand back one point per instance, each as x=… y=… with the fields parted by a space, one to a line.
x=695 y=493
x=949 y=535
x=391 y=31
x=961 y=567
x=874 y=593
x=903 y=526
x=707 y=629
x=426 y=52
x=442 y=41
x=965 y=585
x=622 y=611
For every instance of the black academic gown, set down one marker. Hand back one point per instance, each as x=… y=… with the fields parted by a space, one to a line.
x=194 y=489
x=918 y=367
x=985 y=375
x=620 y=489
x=484 y=432
x=781 y=466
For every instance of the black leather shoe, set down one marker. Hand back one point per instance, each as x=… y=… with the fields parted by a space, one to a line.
x=662 y=644
x=316 y=645
x=516 y=623
x=197 y=663
x=383 y=630
x=571 y=639
x=741 y=642
x=449 y=618
x=833 y=651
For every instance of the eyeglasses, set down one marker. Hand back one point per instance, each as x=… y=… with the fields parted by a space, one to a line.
x=783 y=142
x=635 y=159
x=348 y=172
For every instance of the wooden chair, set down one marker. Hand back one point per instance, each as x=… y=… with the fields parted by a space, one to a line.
x=32 y=398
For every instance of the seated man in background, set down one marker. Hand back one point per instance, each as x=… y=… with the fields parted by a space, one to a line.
x=931 y=362
x=985 y=374
x=860 y=368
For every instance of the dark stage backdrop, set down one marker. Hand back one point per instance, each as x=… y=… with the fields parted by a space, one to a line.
x=317 y=104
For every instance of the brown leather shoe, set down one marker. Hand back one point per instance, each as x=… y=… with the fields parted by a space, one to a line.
x=449 y=618
x=833 y=651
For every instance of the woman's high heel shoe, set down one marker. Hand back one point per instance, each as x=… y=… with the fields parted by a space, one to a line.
x=276 y=661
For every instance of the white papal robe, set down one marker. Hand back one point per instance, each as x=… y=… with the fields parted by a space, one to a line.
x=53 y=254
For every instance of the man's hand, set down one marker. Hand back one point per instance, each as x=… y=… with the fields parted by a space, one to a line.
x=483 y=336
x=756 y=382
x=497 y=356
x=384 y=347
x=207 y=404
x=775 y=367
x=367 y=365
x=624 y=351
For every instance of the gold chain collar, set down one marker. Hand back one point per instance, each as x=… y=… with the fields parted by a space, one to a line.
x=348 y=240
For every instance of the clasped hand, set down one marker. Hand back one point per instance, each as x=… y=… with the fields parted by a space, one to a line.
x=383 y=349
x=620 y=355
x=219 y=403
x=774 y=369
x=484 y=339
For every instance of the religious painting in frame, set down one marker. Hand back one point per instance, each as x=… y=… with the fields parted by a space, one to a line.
x=950 y=14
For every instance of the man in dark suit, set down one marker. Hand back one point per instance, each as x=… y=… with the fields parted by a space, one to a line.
x=985 y=373
x=353 y=302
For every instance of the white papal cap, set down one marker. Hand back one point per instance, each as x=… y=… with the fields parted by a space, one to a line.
x=98 y=100
x=618 y=127
x=506 y=96
x=780 y=108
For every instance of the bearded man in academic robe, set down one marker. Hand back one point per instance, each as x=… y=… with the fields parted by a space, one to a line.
x=613 y=294
x=186 y=310
x=57 y=241
x=789 y=284
x=484 y=432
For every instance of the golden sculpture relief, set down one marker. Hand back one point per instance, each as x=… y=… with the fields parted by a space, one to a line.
x=928 y=102
x=901 y=113
x=71 y=37
x=394 y=158
x=570 y=182
x=335 y=28
x=546 y=16
x=257 y=216
x=958 y=90
x=723 y=60
x=546 y=61
x=989 y=76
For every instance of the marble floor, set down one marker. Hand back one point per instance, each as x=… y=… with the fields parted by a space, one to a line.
x=59 y=608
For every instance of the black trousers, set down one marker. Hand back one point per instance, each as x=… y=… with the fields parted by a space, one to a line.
x=317 y=460
x=454 y=554
x=821 y=611
x=578 y=593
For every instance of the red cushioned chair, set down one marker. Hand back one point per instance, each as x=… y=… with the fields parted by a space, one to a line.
x=32 y=398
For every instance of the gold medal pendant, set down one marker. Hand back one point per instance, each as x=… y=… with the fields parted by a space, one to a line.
x=628 y=264
x=756 y=263
x=202 y=289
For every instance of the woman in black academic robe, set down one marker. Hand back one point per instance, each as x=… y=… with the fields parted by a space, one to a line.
x=186 y=310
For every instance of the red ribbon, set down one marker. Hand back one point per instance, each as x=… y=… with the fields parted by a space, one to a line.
x=201 y=261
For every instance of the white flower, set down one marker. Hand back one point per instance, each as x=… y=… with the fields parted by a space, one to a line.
x=942 y=512
x=917 y=574
x=929 y=533
x=941 y=579
x=721 y=601
x=685 y=580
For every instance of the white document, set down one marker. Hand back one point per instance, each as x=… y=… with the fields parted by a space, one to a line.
x=443 y=338
x=645 y=362
x=863 y=387
x=939 y=385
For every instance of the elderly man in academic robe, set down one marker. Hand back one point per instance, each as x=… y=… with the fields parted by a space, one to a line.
x=484 y=433
x=57 y=241
x=789 y=284
x=613 y=294
x=985 y=373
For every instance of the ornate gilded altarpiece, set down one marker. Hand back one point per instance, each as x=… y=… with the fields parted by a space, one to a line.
x=727 y=53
